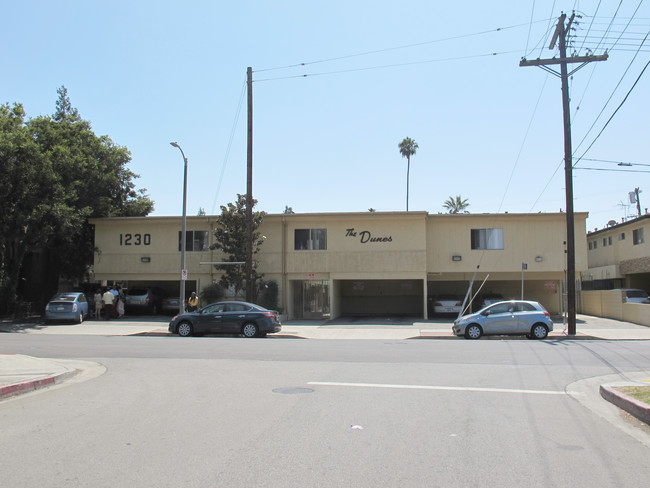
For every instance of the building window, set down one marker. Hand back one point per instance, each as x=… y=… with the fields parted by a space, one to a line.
x=595 y=244
x=637 y=236
x=604 y=241
x=310 y=239
x=590 y=245
x=609 y=241
x=621 y=236
x=195 y=240
x=487 y=238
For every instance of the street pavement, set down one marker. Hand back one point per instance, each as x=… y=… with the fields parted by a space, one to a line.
x=23 y=374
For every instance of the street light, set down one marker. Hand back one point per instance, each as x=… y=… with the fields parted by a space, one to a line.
x=181 y=302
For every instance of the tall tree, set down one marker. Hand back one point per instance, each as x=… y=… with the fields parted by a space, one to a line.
x=56 y=174
x=231 y=235
x=407 y=148
x=456 y=204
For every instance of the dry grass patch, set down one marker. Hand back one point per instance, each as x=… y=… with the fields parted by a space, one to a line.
x=641 y=393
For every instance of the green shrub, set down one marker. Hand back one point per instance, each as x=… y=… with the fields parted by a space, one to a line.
x=211 y=293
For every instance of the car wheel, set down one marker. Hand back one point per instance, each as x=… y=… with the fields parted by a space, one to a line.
x=184 y=329
x=473 y=331
x=249 y=329
x=539 y=331
x=80 y=319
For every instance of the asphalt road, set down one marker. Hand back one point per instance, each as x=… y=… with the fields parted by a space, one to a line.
x=215 y=411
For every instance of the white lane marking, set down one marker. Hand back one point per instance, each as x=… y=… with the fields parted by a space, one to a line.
x=445 y=388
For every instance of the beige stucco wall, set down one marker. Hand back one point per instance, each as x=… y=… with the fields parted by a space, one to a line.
x=609 y=303
x=360 y=246
x=399 y=248
x=526 y=236
x=122 y=243
x=620 y=249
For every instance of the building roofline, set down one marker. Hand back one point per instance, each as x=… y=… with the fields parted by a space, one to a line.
x=618 y=226
x=413 y=214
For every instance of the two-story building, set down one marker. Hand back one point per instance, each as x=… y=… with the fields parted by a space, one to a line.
x=373 y=263
x=619 y=256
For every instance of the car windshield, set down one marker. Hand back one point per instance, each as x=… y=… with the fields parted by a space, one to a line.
x=64 y=298
x=138 y=291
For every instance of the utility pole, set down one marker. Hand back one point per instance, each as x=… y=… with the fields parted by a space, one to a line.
x=561 y=33
x=249 y=190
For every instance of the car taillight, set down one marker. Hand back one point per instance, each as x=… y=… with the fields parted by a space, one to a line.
x=458 y=304
x=74 y=307
x=47 y=307
x=437 y=304
x=268 y=314
x=547 y=314
x=146 y=300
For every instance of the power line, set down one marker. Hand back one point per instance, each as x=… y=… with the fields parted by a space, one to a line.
x=610 y=98
x=620 y=163
x=617 y=170
x=395 y=48
x=230 y=140
x=386 y=66
x=530 y=123
x=612 y=116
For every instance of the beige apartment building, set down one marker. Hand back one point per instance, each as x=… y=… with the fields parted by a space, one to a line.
x=342 y=264
x=619 y=256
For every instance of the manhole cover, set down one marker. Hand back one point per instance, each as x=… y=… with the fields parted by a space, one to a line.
x=293 y=391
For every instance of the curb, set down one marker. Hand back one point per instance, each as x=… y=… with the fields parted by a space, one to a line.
x=34 y=384
x=625 y=402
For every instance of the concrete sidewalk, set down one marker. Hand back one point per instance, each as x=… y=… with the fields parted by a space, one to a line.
x=22 y=374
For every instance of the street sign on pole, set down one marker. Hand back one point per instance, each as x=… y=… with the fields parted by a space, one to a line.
x=184 y=274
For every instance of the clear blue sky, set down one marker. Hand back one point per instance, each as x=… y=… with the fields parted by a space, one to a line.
x=149 y=72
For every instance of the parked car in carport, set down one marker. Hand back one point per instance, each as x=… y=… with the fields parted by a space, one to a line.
x=488 y=299
x=635 y=295
x=144 y=300
x=68 y=306
x=169 y=305
x=442 y=304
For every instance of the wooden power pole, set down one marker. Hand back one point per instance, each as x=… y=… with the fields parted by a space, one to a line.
x=561 y=33
x=249 y=190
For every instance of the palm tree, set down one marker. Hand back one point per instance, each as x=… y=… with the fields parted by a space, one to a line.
x=407 y=149
x=456 y=205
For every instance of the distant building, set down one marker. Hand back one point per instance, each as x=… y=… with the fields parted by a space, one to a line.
x=341 y=264
x=619 y=256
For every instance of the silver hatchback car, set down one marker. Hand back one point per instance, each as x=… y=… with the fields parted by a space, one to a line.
x=514 y=317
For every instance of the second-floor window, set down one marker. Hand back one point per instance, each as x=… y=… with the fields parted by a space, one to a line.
x=637 y=236
x=195 y=240
x=487 y=238
x=310 y=239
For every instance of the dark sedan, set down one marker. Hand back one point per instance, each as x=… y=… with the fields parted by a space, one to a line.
x=242 y=318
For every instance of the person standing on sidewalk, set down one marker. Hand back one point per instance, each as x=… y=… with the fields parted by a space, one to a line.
x=108 y=298
x=98 y=303
x=193 y=302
